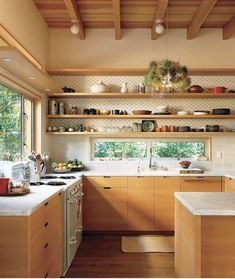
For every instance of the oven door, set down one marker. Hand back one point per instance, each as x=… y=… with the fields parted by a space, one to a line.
x=74 y=225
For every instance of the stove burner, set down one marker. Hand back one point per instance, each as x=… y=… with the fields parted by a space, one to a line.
x=67 y=177
x=56 y=183
x=37 y=183
x=49 y=177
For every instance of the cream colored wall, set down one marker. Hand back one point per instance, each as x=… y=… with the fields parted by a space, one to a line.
x=24 y=22
x=136 y=49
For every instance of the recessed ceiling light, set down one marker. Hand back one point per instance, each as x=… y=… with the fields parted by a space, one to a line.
x=48 y=89
x=6 y=59
x=31 y=77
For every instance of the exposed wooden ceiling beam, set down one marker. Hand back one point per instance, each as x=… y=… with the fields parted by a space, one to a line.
x=199 y=17
x=159 y=14
x=74 y=13
x=229 y=29
x=116 y=16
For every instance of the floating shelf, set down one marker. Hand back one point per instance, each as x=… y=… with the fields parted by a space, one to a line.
x=115 y=95
x=133 y=72
x=152 y=116
x=140 y=134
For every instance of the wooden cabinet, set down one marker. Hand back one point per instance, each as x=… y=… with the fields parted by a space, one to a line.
x=140 y=203
x=32 y=244
x=164 y=188
x=229 y=184
x=201 y=184
x=105 y=203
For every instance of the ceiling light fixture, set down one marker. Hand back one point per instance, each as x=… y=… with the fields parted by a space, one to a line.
x=7 y=59
x=74 y=28
x=159 y=27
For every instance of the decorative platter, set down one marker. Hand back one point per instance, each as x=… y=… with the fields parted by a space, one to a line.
x=148 y=126
x=61 y=170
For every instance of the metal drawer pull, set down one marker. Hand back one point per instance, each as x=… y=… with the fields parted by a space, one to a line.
x=45 y=246
x=60 y=194
x=46 y=224
x=107 y=188
x=45 y=204
x=106 y=176
x=230 y=178
x=46 y=275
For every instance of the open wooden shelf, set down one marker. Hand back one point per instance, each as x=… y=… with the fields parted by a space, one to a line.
x=140 y=134
x=133 y=72
x=115 y=95
x=152 y=116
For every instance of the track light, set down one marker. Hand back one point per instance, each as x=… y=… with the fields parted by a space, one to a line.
x=74 y=28
x=159 y=27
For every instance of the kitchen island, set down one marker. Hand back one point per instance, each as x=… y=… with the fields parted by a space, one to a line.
x=204 y=234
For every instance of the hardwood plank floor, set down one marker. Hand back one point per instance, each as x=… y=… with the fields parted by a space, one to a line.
x=101 y=256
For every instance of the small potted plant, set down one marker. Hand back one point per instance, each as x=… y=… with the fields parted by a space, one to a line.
x=185 y=164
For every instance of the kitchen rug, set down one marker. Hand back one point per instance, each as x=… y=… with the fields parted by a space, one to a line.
x=148 y=244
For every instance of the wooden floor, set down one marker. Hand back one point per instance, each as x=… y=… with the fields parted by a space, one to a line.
x=101 y=256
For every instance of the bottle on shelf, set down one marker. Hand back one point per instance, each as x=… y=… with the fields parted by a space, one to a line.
x=124 y=88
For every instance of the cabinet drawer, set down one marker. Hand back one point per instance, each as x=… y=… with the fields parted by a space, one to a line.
x=201 y=184
x=43 y=247
x=108 y=181
x=45 y=214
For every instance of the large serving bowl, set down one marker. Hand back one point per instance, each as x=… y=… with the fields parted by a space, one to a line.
x=141 y=112
x=99 y=88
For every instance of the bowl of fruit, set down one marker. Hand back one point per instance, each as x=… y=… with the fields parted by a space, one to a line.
x=61 y=167
x=185 y=164
x=75 y=165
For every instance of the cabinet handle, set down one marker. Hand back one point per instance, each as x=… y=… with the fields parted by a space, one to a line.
x=45 y=204
x=59 y=193
x=107 y=188
x=106 y=176
x=140 y=176
x=230 y=178
x=46 y=275
x=45 y=246
x=46 y=224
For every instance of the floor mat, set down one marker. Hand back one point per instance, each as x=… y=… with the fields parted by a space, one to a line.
x=148 y=244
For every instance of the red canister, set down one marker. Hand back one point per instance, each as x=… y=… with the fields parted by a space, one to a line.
x=4 y=183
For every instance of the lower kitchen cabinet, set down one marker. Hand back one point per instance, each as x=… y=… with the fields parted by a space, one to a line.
x=229 y=184
x=32 y=244
x=140 y=203
x=164 y=188
x=105 y=203
x=201 y=184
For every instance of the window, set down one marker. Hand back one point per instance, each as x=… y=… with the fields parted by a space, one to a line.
x=119 y=149
x=179 y=148
x=165 y=149
x=16 y=113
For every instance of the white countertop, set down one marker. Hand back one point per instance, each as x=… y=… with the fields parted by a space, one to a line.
x=208 y=204
x=25 y=205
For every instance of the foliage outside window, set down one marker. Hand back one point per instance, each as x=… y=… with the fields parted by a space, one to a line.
x=119 y=150
x=178 y=149
x=15 y=125
x=124 y=149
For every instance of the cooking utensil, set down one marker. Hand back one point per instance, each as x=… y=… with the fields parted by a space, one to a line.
x=218 y=89
x=221 y=111
x=195 y=89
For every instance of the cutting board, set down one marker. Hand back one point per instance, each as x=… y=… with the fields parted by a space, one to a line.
x=191 y=171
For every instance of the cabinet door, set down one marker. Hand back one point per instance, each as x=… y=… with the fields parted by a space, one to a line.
x=164 y=188
x=229 y=185
x=104 y=208
x=140 y=203
x=201 y=184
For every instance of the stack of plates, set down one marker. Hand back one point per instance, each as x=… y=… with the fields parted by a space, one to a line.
x=201 y=112
x=183 y=112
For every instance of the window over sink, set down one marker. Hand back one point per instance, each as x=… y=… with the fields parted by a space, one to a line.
x=163 y=149
x=16 y=114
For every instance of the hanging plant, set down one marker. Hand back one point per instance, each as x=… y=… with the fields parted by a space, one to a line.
x=167 y=76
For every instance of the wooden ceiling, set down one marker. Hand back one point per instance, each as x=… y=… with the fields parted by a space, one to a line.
x=118 y=14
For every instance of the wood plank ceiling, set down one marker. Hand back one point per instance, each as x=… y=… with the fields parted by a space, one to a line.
x=118 y=14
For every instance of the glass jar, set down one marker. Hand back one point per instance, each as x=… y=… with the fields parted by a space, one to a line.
x=74 y=110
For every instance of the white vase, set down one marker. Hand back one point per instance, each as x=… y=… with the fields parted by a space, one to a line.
x=124 y=88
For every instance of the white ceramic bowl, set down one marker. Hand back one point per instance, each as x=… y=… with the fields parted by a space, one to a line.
x=162 y=108
x=183 y=112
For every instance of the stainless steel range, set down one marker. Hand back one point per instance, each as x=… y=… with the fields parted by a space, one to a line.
x=72 y=212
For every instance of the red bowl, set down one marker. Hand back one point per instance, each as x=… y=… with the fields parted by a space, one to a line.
x=218 y=89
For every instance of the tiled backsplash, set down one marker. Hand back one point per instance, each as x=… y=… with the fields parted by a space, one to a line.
x=69 y=147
